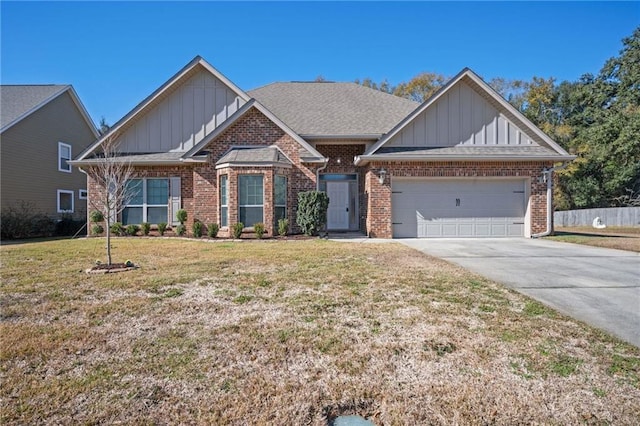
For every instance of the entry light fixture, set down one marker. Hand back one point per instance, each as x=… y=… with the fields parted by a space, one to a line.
x=381 y=174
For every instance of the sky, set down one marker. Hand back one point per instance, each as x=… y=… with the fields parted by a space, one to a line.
x=117 y=53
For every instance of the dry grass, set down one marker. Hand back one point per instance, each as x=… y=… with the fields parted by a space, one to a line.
x=291 y=333
x=621 y=238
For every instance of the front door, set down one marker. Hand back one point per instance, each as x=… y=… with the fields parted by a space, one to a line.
x=338 y=212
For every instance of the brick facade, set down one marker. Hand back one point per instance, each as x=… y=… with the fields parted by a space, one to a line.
x=199 y=182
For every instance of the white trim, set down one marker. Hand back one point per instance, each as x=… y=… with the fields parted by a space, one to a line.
x=144 y=206
x=361 y=160
x=60 y=146
x=250 y=205
x=64 y=191
x=83 y=191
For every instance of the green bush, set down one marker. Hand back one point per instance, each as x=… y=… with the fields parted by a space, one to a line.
x=96 y=216
x=197 y=228
x=181 y=230
x=67 y=226
x=162 y=227
x=236 y=230
x=117 y=229
x=258 y=228
x=132 y=230
x=312 y=211
x=97 y=229
x=24 y=222
x=283 y=227
x=181 y=215
x=212 y=230
x=146 y=228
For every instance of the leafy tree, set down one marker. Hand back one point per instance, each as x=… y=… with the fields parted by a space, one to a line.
x=420 y=87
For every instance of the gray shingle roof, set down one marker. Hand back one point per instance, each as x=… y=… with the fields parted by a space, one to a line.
x=262 y=155
x=16 y=100
x=142 y=158
x=333 y=109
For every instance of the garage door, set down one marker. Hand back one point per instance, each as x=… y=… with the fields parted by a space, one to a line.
x=458 y=208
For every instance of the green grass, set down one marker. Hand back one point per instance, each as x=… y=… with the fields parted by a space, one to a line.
x=290 y=332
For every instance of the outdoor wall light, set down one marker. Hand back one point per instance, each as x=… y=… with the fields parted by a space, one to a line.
x=381 y=174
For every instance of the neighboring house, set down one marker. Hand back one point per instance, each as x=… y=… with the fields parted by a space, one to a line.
x=463 y=163
x=41 y=128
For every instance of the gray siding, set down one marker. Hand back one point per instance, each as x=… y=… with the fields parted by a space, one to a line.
x=183 y=118
x=29 y=158
x=460 y=117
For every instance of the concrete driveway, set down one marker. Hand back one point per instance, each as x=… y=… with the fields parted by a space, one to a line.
x=598 y=286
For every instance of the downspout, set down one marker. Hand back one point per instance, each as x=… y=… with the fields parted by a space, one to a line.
x=548 y=175
x=326 y=164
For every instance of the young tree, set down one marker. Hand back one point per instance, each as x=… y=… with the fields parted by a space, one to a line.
x=111 y=174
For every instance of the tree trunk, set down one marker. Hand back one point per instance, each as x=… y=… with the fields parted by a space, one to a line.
x=108 y=230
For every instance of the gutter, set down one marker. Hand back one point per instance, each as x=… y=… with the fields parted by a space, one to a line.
x=364 y=159
x=548 y=176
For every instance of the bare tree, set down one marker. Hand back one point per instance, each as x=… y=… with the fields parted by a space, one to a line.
x=111 y=174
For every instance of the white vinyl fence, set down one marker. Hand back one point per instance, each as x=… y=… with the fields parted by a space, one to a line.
x=613 y=216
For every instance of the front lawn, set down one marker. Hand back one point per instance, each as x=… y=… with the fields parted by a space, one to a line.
x=291 y=332
x=621 y=238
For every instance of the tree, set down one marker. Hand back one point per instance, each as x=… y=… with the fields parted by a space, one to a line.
x=104 y=126
x=111 y=174
x=420 y=87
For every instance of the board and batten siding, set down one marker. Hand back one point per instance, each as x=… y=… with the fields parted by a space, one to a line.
x=183 y=118
x=460 y=117
x=29 y=161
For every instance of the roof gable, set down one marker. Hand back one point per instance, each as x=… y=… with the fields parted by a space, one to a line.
x=179 y=114
x=466 y=111
x=308 y=153
x=20 y=101
x=335 y=110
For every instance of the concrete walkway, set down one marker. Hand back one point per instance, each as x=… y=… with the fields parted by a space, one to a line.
x=596 y=285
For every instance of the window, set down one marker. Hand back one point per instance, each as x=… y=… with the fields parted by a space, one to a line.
x=224 y=208
x=148 y=201
x=250 y=199
x=65 y=201
x=281 y=197
x=64 y=154
x=82 y=194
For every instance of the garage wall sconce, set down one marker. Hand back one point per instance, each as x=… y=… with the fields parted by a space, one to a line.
x=381 y=174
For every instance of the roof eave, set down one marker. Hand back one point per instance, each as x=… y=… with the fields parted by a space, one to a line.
x=227 y=164
x=361 y=136
x=362 y=160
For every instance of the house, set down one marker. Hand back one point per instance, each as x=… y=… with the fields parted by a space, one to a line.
x=42 y=127
x=463 y=163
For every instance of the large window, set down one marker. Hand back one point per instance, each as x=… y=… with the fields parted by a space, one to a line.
x=250 y=194
x=148 y=201
x=65 y=201
x=64 y=154
x=281 y=197
x=224 y=208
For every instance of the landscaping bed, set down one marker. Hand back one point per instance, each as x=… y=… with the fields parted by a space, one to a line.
x=293 y=332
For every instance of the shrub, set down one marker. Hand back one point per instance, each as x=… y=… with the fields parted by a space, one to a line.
x=197 y=228
x=312 y=211
x=181 y=230
x=236 y=230
x=212 y=230
x=117 y=229
x=283 y=227
x=96 y=216
x=181 y=215
x=258 y=228
x=162 y=227
x=146 y=228
x=68 y=226
x=24 y=222
x=132 y=230
x=97 y=229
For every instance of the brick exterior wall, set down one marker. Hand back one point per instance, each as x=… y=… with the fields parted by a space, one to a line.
x=378 y=196
x=346 y=154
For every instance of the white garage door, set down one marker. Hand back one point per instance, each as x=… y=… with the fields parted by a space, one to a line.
x=458 y=208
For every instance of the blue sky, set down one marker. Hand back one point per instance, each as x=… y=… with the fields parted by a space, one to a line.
x=117 y=53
